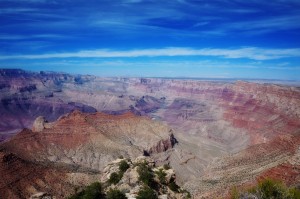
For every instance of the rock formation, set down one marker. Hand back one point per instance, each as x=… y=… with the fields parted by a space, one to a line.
x=217 y=124
x=91 y=140
x=21 y=178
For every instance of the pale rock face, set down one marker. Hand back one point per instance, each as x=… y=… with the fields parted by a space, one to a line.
x=38 y=124
x=42 y=195
x=130 y=183
x=93 y=140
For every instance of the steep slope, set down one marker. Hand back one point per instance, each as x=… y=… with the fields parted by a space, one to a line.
x=21 y=178
x=256 y=162
x=58 y=157
x=91 y=140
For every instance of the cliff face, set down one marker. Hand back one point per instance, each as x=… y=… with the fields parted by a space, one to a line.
x=277 y=159
x=91 y=140
x=21 y=178
x=234 y=114
x=211 y=120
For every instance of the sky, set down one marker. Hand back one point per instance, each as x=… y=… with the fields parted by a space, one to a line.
x=153 y=38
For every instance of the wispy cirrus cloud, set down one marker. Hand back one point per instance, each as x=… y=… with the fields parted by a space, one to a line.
x=253 y=53
x=267 y=24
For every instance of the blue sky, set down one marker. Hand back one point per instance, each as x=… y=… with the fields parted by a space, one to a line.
x=171 y=38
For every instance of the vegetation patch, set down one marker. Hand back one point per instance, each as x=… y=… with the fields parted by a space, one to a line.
x=93 y=191
x=146 y=193
x=115 y=178
x=167 y=167
x=267 y=189
x=123 y=166
x=174 y=187
x=115 y=194
x=161 y=174
x=146 y=174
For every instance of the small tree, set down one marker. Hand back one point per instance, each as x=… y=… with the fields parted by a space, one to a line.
x=174 y=187
x=146 y=193
x=145 y=174
x=161 y=176
x=123 y=166
x=114 y=178
x=115 y=194
x=93 y=191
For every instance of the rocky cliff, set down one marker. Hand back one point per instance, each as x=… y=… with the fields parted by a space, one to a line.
x=91 y=140
x=212 y=121
x=21 y=178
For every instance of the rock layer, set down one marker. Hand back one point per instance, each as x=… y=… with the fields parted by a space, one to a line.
x=21 y=178
x=91 y=140
x=214 y=122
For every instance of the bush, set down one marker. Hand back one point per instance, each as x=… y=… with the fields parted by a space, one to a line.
x=115 y=178
x=115 y=194
x=174 y=187
x=294 y=193
x=145 y=174
x=188 y=194
x=123 y=166
x=267 y=189
x=271 y=189
x=161 y=176
x=93 y=191
x=234 y=193
x=167 y=167
x=146 y=193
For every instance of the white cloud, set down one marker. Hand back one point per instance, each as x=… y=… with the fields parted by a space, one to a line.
x=246 y=52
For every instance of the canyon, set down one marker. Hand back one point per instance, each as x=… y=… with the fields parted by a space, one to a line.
x=56 y=127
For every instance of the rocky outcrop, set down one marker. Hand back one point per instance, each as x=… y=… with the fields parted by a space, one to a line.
x=24 y=179
x=130 y=182
x=91 y=140
x=41 y=195
x=40 y=123
x=163 y=145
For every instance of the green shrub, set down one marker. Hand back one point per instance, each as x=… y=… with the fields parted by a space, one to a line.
x=271 y=189
x=294 y=193
x=174 y=187
x=77 y=195
x=115 y=194
x=188 y=194
x=268 y=189
x=234 y=193
x=145 y=174
x=161 y=176
x=146 y=193
x=115 y=178
x=167 y=167
x=123 y=166
x=93 y=191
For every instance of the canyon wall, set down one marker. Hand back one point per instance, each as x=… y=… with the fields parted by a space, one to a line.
x=202 y=128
